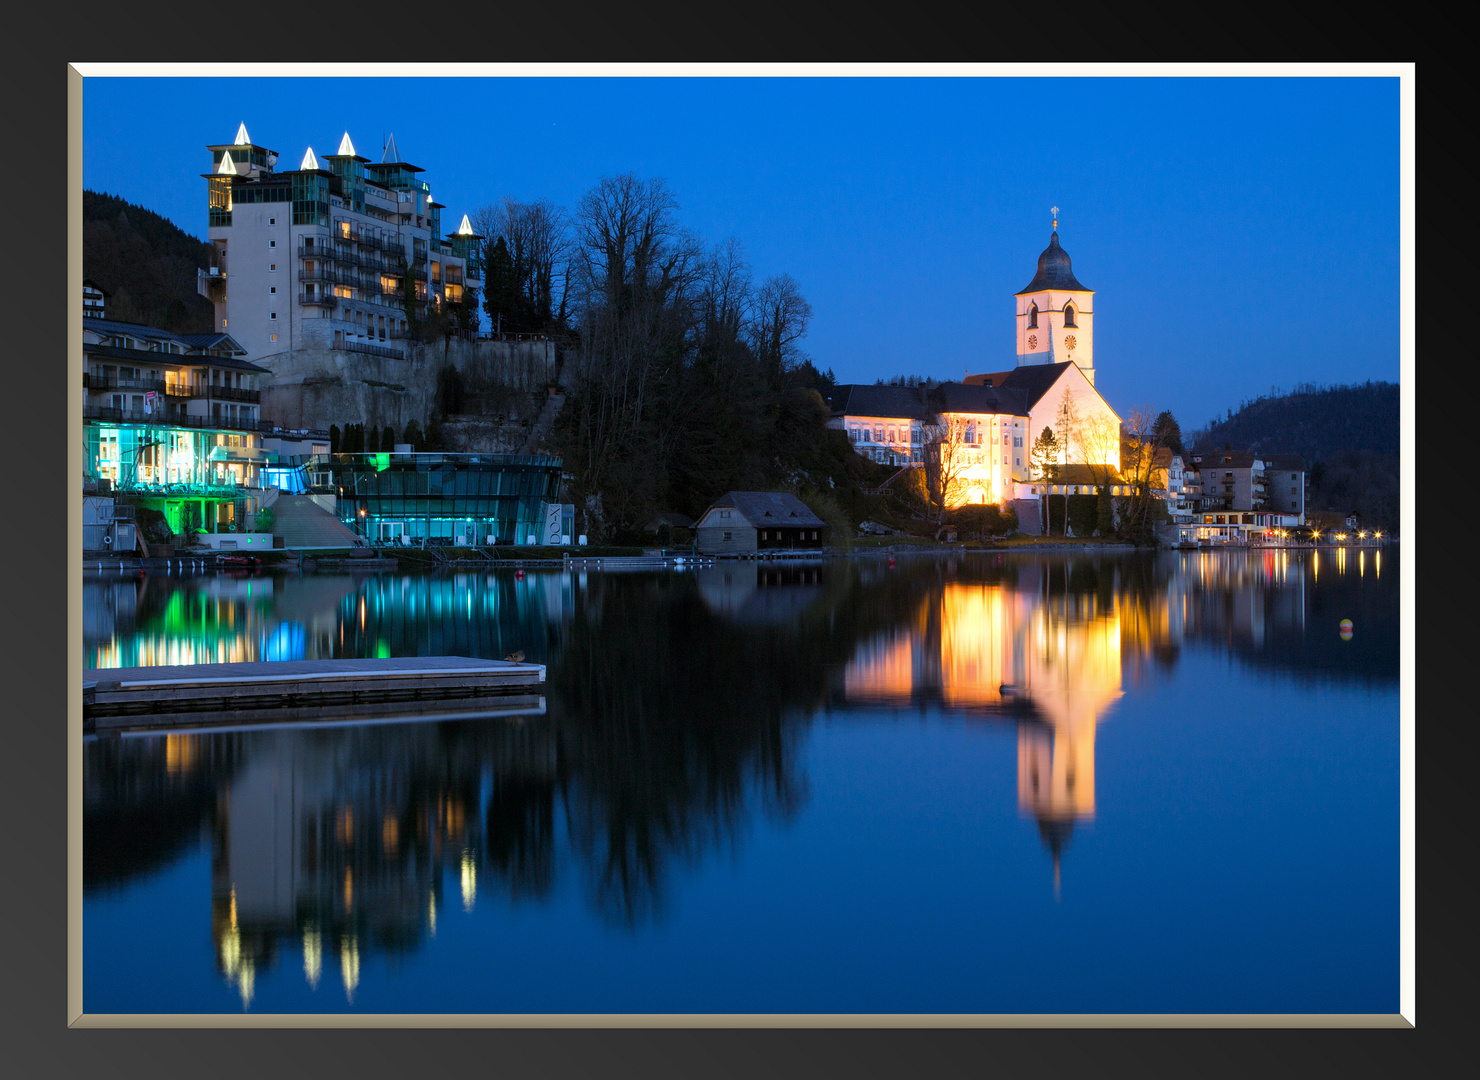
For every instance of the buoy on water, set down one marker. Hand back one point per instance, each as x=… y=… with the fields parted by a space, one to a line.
x=519 y=575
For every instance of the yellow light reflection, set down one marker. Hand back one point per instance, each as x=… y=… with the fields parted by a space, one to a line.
x=313 y=955
x=179 y=754
x=349 y=965
x=469 y=880
x=432 y=914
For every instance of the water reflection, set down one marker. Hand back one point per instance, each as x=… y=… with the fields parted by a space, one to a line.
x=679 y=706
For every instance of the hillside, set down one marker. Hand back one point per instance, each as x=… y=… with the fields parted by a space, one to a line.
x=147 y=264
x=1347 y=434
x=1316 y=422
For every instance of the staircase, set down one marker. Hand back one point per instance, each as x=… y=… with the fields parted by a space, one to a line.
x=893 y=477
x=304 y=524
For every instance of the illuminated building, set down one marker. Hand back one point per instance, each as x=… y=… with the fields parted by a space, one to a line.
x=983 y=428
x=328 y=254
x=172 y=420
x=467 y=500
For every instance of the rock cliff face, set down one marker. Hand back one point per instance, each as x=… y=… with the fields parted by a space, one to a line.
x=503 y=383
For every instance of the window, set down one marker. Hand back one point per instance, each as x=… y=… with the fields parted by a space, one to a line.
x=273 y=316
x=272 y=267
x=272 y=243
x=1033 y=316
x=1069 y=316
x=729 y=537
x=274 y=337
x=272 y=221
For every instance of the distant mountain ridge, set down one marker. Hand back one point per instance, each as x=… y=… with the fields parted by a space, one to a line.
x=146 y=263
x=1316 y=422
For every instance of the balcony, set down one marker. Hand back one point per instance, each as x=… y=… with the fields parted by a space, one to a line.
x=98 y=382
x=233 y=393
x=365 y=347
x=325 y=274
x=319 y=249
x=327 y=300
x=137 y=416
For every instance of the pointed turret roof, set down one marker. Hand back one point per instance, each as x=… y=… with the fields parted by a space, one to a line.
x=347 y=149
x=466 y=228
x=242 y=138
x=310 y=163
x=1054 y=271
x=392 y=153
x=227 y=166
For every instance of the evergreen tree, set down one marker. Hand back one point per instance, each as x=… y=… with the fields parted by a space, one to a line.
x=388 y=438
x=335 y=444
x=372 y=444
x=1167 y=432
x=501 y=288
x=414 y=436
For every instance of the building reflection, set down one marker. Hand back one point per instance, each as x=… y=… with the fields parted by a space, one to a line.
x=678 y=704
x=335 y=843
x=1042 y=651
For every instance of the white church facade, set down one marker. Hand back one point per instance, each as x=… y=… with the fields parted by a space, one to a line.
x=999 y=415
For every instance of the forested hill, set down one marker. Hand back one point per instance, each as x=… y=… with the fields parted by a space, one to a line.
x=1316 y=422
x=146 y=263
x=1348 y=436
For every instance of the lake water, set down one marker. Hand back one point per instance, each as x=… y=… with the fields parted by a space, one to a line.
x=985 y=783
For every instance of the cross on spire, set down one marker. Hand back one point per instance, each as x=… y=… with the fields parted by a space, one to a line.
x=1055 y=211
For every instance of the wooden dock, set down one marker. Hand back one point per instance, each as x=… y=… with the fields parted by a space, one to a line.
x=297 y=691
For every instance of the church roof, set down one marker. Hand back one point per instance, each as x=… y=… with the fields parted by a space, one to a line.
x=1054 y=271
x=1033 y=380
x=863 y=399
x=976 y=398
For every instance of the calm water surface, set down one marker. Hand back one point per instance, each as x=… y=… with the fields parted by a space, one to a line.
x=983 y=784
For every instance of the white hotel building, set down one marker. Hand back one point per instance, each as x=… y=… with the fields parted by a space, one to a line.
x=325 y=255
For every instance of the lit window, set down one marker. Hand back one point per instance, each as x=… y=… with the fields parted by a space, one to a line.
x=272 y=267
x=274 y=337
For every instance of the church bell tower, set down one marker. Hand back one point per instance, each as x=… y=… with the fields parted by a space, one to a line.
x=1055 y=313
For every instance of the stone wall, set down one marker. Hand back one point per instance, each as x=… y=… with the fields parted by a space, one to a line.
x=316 y=386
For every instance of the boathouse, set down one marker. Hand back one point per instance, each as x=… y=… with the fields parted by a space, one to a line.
x=752 y=521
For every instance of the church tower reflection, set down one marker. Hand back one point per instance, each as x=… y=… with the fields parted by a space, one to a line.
x=1043 y=651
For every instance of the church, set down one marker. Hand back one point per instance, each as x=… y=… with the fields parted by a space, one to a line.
x=988 y=422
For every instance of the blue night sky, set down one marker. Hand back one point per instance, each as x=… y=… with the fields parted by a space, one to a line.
x=1240 y=233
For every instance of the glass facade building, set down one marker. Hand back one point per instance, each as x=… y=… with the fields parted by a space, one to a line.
x=467 y=499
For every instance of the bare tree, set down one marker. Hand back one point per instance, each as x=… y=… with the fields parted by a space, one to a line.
x=636 y=276
x=781 y=317
x=1070 y=432
x=947 y=457
x=1143 y=463
x=536 y=237
x=1100 y=440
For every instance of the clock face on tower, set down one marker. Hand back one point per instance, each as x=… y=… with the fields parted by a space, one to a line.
x=1069 y=343
x=1032 y=341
